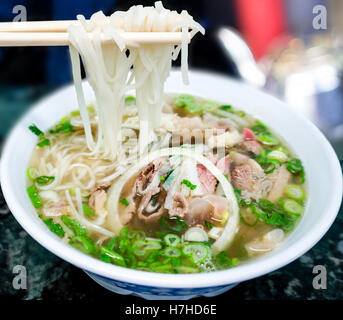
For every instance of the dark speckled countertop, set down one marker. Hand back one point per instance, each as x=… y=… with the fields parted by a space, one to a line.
x=51 y=278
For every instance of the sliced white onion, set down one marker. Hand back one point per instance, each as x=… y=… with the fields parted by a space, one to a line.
x=215 y=233
x=196 y=234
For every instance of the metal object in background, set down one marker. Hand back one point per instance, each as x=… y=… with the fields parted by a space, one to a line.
x=308 y=76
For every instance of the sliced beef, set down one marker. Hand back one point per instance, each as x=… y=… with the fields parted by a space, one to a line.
x=243 y=177
x=150 y=208
x=97 y=201
x=250 y=146
x=147 y=175
x=180 y=205
x=281 y=181
x=205 y=208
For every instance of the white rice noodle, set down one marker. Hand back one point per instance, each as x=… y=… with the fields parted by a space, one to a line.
x=224 y=240
x=107 y=68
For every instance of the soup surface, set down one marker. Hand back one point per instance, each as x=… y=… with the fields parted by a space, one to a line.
x=223 y=190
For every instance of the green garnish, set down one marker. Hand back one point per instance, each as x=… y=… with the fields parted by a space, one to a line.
x=197 y=252
x=32 y=173
x=36 y=130
x=173 y=223
x=64 y=126
x=227 y=108
x=130 y=99
x=42 y=140
x=171 y=239
x=74 y=226
x=124 y=202
x=183 y=100
x=54 y=227
x=75 y=113
x=34 y=196
x=44 y=180
x=188 y=184
x=43 y=143
x=84 y=244
x=209 y=225
x=87 y=210
x=223 y=261
x=295 y=166
x=295 y=192
x=293 y=207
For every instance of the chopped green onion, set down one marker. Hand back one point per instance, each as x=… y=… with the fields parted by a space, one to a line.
x=124 y=202
x=209 y=224
x=193 y=108
x=43 y=143
x=208 y=105
x=64 y=126
x=84 y=244
x=295 y=192
x=172 y=239
x=114 y=257
x=36 y=130
x=182 y=100
x=278 y=155
x=172 y=252
x=241 y=113
x=32 y=173
x=130 y=99
x=226 y=108
x=188 y=184
x=87 y=210
x=54 y=227
x=74 y=226
x=34 y=196
x=197 y=252
x=72 y=191
x=293 y=207
x=153 y=245
x=44 y=180
x=174 y=224
x=75 y=113
x=90 y=109
x=267 y=139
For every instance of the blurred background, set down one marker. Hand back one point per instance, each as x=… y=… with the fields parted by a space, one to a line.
x=296 y=52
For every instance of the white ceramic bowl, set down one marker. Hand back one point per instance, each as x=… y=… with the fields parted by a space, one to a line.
x=322 y=167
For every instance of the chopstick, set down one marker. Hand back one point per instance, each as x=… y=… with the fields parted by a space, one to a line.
x=19 y=39
x=37 y=26
x=54 y=33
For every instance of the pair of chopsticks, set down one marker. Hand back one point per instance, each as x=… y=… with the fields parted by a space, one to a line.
x=54 y=33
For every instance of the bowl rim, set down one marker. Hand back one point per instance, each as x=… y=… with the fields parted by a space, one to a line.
x=244 y=272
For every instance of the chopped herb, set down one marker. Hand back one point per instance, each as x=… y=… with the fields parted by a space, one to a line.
x=54 y=227
x=74 y=226
x=173 y=223
x=295 y=166
x=87 y=210
x=42 y=140
x=226 y=176
x=183 y=100
x=124 y=202
x=64 y=126
x=75 y=113
x=36 y=130
x=34 y=196
x=188 y=184
x=227 y=108
x=130 y=99
x=44 y=180
x=43 y=143
x=209 y=224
